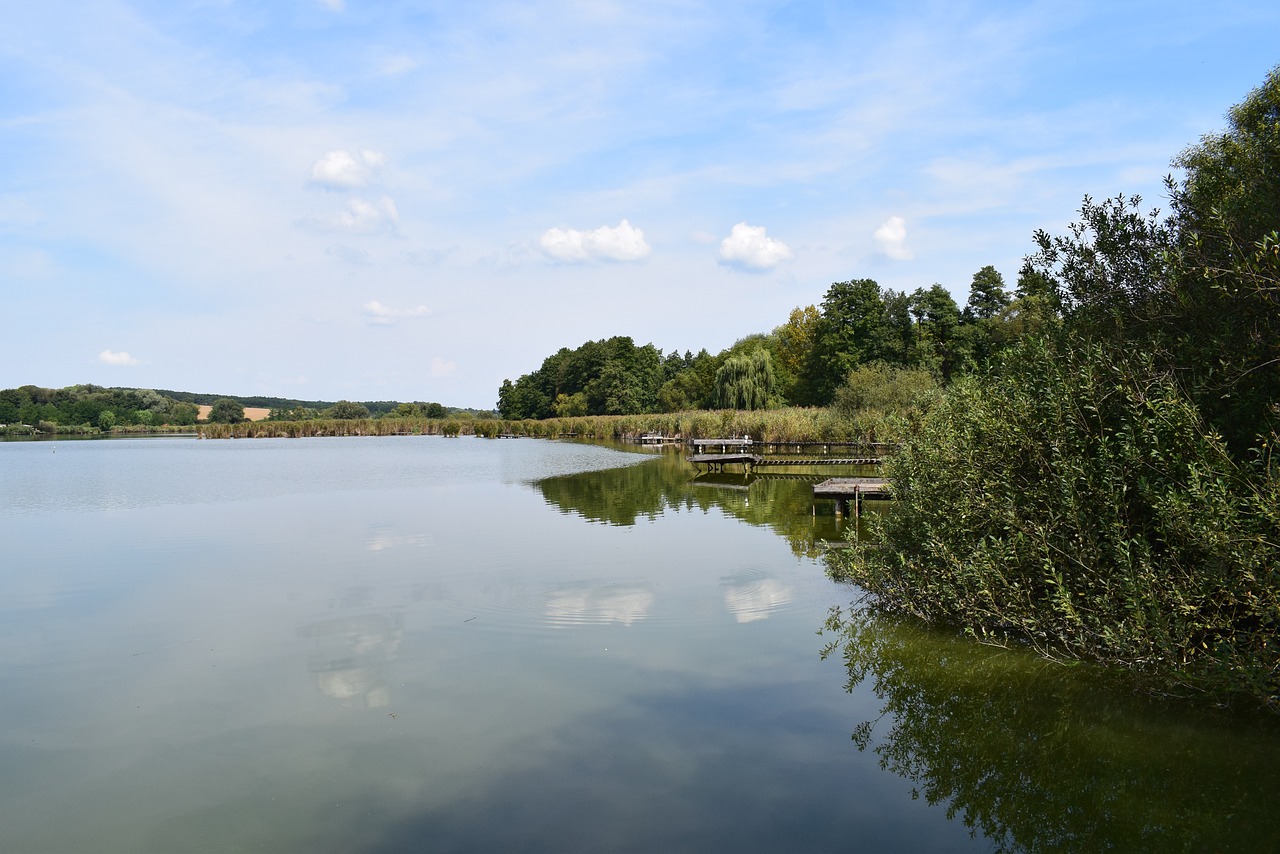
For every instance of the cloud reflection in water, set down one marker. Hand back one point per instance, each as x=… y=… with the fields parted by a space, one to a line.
x=584 y=605
x=754 y=598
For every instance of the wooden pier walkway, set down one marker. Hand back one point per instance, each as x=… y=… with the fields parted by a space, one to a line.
x=852 y=491
x=717 y=462
x=700 y=445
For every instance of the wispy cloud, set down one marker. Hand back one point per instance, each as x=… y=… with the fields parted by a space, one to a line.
x=349 y=254
x=443 y=367
x=624 y=242
x=377 y=314
x=748 y=248
x=360 y=217
x=121 y=359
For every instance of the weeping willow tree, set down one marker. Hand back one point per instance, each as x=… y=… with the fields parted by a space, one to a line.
x=745 y=382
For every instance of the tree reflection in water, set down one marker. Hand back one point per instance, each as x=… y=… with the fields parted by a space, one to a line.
x=1038 y=756
x=669 y=484
x=1031 y=754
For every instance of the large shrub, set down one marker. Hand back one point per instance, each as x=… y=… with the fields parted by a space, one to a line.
x=1075 y=499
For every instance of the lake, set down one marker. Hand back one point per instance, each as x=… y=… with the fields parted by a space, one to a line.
x=431 y=644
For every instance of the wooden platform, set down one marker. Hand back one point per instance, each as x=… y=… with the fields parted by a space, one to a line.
x=723 y=444
x=818 y=461
x=875 y=488
x=717 y=462
x=654 y=439
x=852 y=491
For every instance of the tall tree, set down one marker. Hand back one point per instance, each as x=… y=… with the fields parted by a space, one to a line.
x=853 y=329
x=987 y=294
x=1200 y=290
x=793 y=342
x=745 y=382
x=940 y=347
x=1229 y=199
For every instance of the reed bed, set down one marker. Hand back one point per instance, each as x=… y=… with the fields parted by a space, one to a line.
x=779 y=426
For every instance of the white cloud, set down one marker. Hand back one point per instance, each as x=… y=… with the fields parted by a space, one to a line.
x=748 y=248
x=378 y=314
x=373 y=159
x=443 y=367
x=360 y=217
x=624 y=243
x=891 y=238
x=110 y=357
x=334 y=5
x=342 y=170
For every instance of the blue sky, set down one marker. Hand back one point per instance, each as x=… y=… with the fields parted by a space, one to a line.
x=369 y=200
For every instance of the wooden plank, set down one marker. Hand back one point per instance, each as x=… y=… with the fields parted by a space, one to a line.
x=719 y=459
x=757 y=460
x=819 y=461
x=874 y=488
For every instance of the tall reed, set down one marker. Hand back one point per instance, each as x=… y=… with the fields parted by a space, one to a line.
x=782 y=426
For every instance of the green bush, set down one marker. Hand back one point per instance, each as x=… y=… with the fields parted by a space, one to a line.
x=1076 y=500
x=883 y=387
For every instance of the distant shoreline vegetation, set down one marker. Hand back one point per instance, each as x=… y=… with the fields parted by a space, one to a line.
x=88 y=409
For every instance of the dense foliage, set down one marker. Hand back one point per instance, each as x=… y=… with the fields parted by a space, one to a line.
x=1107 y=488
x=92 y=406
x=606 y=377
x=803 y=362
x=1077 y=500
x=224 y=410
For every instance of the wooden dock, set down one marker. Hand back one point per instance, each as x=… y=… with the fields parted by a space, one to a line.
x=700 y=445
x=654 y=439
x=717 y=462
x=852 y=491
x=818 y=461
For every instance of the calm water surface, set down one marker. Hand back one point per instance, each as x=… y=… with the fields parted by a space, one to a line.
x=429 y=644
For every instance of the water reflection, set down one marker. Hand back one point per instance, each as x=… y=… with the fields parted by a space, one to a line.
x=667 y=483
x=585 y=605
x=753 y=596
x=382 y=537
x=351 y=654
x=1042 y=757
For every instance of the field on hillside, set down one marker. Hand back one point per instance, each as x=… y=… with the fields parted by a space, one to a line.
x=251 y=413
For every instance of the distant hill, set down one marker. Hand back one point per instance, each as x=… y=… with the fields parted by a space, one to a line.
x=99 y=406
x=375 y=407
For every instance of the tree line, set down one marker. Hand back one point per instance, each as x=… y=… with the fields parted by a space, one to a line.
x=92 y=406
x=924 y=338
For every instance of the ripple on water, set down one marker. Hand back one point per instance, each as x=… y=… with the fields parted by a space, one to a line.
x=752 y=595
